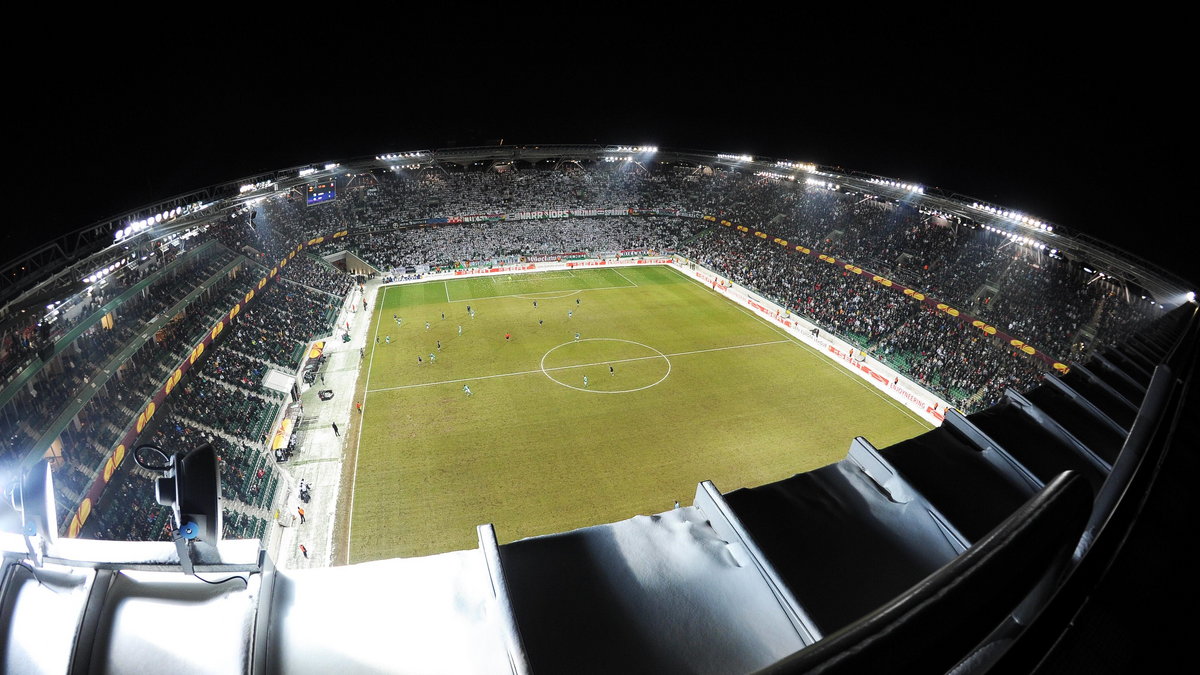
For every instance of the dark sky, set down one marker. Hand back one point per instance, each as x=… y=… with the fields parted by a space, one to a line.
x=1081 y=139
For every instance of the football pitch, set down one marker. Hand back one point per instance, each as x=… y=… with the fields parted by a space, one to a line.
x=595 y=395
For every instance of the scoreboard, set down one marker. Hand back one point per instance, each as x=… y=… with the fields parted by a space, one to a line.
x=319 y=193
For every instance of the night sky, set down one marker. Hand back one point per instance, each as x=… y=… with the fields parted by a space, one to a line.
x=1083 y=140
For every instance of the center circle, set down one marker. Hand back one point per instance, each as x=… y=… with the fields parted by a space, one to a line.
x=562 y=369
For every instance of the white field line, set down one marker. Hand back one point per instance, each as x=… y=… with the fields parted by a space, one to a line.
x=618 y=271
x=446 y=285
x=535 y=277
x=824 y=359
x=358 y=441
x=581 y=365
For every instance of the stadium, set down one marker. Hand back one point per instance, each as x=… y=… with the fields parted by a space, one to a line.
x=578 y=408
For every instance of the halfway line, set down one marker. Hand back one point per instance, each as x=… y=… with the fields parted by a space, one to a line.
x=581 y=365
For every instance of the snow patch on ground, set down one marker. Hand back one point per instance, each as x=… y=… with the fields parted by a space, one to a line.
x=657 y=592
x=435 y=614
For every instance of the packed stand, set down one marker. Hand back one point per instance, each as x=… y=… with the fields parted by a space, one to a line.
x=280 y=323
x=309 y=271
x=951 y=358
x=1050 y=303
x=21 y=338
x=231 y=411
x=128 y=511
x=27 y=413
x=454 y=244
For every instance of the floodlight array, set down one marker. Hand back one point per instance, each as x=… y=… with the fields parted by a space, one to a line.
x=800 y=166
x=105 y=271
x=1020 y=239
x=773 y=175
x=817 y=182
x=941 y=214
x=635 y=148
x=911 y=187
x=1013 y=215
x=137 y=226
x=251 y=187
x=618 y=159
x=736 y=158
x=400 y=155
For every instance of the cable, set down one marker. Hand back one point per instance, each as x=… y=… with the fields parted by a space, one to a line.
x=26 y=565
x=244 y=580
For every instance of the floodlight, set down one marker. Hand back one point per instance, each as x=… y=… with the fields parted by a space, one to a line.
x=1191 y=296
x=191 y=485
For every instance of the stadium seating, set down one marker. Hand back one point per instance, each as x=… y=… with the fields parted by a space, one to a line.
x=920 y=553
x=1011 y=286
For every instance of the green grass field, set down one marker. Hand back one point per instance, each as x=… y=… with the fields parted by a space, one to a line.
x=700 y=389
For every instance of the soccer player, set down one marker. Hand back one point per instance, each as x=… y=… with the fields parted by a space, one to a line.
x=576 y=301
x=469 y=310
x=585 y=381
x=419 y=361
x=577 y=337
x=439 y=345
x=467 y=389
x=570 y=313
x=426 y=325
x=432 y=358
x=388 y=339
x=507 y=336
x=611 y=371
x=535 y=304
x=460 y=330
x=443 y=316
x=539 y=322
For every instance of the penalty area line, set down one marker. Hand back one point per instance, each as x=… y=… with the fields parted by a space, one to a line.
x=580 y=365
x=618 y=271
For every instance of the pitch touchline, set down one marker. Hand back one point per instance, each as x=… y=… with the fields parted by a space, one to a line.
x=581 y=365
x=358 y=438
x=815 y=351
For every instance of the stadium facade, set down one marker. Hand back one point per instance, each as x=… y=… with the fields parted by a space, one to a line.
x=970 y=548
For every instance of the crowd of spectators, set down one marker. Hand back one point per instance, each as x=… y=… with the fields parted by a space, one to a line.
x=80 y=361
x=317 y=274
x=22 y=337
x=1054 y=304
x=946 y=354
x=280 y=323
x=233 y=368
x=228 y=410
x=98 y=425
x=28 y=411
x=224 y=403
x=128 y=510
x=456 y=244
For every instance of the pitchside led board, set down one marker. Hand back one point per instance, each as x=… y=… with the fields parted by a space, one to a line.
x=319 y=193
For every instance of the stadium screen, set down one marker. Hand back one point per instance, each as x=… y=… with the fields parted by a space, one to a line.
x=319 y=193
